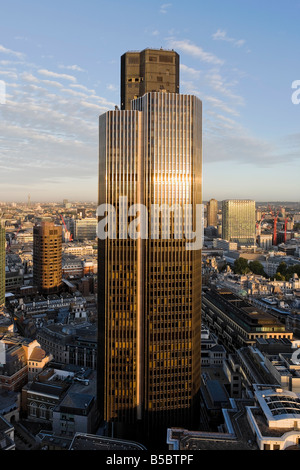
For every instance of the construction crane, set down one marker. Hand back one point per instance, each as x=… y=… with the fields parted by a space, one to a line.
x=258 y=224
x=275 y=218
x=285 y=229
x=66 y=230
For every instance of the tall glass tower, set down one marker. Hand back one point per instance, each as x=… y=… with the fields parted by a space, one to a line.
x=150 y=286
x=238 y=221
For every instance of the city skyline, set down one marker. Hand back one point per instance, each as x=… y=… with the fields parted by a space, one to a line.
x=61 y=71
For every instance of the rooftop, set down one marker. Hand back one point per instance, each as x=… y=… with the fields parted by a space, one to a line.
x=94 y=442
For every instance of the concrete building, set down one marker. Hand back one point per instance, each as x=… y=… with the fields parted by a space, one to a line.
x=21 y=359
x=75 y=413
x=265 y=240
x=73 y=344
x=236 y=322
x=148 y=71
x=47 y=257
x=212 y=353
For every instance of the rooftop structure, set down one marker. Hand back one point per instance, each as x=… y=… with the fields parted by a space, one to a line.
x=151 y=70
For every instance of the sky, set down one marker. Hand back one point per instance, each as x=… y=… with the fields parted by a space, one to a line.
x=60 y=70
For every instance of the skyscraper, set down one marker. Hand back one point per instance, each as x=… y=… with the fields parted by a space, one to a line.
x=150 y=287
x=148 y=71
x=47 y=257
x=2 y=265
x=212 y=212
x=238 y=221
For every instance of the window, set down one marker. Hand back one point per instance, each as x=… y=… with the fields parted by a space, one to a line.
x=43 y=412
x=32 y=409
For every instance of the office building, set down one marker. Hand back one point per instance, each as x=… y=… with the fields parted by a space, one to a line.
x=212 y=213
x=85 y=229
x=148 y=71
x=47 y=257
x=2 y=265
x=236 y=322
x=238 y=221
x=150 y=287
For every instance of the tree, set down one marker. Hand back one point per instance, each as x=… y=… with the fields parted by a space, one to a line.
x=282 y=268
x=241 y=266
x=279 y=277
x=257 y=268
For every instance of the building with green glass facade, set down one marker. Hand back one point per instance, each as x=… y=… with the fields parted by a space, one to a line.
x=238 y=221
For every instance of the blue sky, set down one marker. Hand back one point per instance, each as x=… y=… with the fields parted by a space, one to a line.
x=60 y=62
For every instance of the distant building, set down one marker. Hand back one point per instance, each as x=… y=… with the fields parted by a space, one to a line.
x=212 y=213
x=2 y=265
x=225 y=245
x=265 y=240
x=85 y=229
x=47 y=257
x=238 y=221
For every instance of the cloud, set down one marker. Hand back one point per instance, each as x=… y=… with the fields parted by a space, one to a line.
x=48 y=130
x=196 y=51
x=4 y=50
x=82 y=87
x=112 y=87
x=164 y=7
x=71 y=67
x=62 y=76
x=221 y=35
x=28 y=77
x=189 y=71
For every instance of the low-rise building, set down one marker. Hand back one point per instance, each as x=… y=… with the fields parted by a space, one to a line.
x=71 y=344
x=7 y=435
x=236 y=322
x=275 y=418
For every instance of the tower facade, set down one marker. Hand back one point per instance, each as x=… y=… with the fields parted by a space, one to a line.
x=212 y=213
x=238 y=221
x=150 y=286
x=2 y=265
x=47 y=257
x=151 y=70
